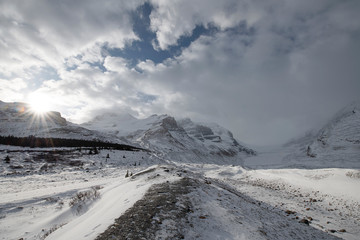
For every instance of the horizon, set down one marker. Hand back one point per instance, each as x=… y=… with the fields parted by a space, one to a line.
x=268 y=72
x=39 y=113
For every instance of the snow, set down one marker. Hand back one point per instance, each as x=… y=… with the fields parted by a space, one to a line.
x=115 y=199
x=244 y=196
x=40 y=201
x=337 y=199
x=236 y=203
x=178 y=140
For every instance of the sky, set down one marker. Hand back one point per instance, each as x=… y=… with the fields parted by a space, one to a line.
x=266 y=70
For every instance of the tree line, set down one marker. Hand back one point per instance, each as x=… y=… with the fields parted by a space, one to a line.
x=40 y=142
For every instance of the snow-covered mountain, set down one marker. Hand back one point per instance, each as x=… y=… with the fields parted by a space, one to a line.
x=182 y=140
x=336 y=144
x=76 y=194
x=341 y=135
x=179 y=140
x=17 y=119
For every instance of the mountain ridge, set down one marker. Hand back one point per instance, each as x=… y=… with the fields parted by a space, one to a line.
x=170 y=137
x=335 y=144
x=175 y=140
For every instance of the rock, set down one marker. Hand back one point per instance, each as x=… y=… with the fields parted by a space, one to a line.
x=290 y=212
x=305 y=221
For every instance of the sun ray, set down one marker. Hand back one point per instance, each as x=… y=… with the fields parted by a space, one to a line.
x=39 y=111
x=39 y=104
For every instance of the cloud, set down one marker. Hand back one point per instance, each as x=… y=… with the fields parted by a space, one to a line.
x=40 y=33
x=267 y=71
x=10 y=89
x=267 y=79
x=170 y=20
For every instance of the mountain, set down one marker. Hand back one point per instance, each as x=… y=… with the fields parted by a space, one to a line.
x=178 y=140
x=336 y=144
x=17 y=119
x=341 y=135
x=170 y=139
x=170 y=192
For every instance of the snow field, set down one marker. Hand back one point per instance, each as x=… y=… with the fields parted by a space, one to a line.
x=328 y=198
x=39 y=201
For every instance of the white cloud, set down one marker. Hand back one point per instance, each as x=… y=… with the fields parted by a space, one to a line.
x=10 y=89
x=172 y=19
x=40 y=33
x=297 y=70
x=272 y=71
x=115 y=64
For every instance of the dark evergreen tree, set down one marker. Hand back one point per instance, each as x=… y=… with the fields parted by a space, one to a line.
x=7 y=159
x=96 y=151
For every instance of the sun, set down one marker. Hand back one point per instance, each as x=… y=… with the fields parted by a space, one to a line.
x=39 y=104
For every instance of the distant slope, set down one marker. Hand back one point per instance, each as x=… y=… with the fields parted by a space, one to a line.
x=17 y=119
x=340 y=138
x=182 y=140
x=337 y=144
x=170 y=139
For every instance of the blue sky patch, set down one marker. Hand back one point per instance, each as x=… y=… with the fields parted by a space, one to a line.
x=146 y=98
x=141 y=50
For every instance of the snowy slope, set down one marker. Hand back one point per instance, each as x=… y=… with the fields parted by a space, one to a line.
x=17 y=119
x=327 y=198
x=181 y=140
x=341 y=136
x=38 y=198
x=176 y=140
x=188 y=187
x=179 y=202
x=336 y=144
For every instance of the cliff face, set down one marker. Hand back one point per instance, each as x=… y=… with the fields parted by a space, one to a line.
x=177 y=140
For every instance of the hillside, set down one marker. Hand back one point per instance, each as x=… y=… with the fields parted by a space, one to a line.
x=176 y=140
x=194 y=181
x=17 y=119
x=336 y=144
x=183 y=141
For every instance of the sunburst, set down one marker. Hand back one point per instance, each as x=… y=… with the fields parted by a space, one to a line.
x=39 y=104
x=39 y=111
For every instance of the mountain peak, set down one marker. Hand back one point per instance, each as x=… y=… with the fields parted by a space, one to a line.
x=336 y=142
x=181 y=140
x=114 y=116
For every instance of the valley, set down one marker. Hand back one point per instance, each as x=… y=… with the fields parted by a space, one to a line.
x=181 y=180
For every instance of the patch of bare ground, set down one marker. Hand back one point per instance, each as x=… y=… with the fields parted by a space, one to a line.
x=163 y=202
